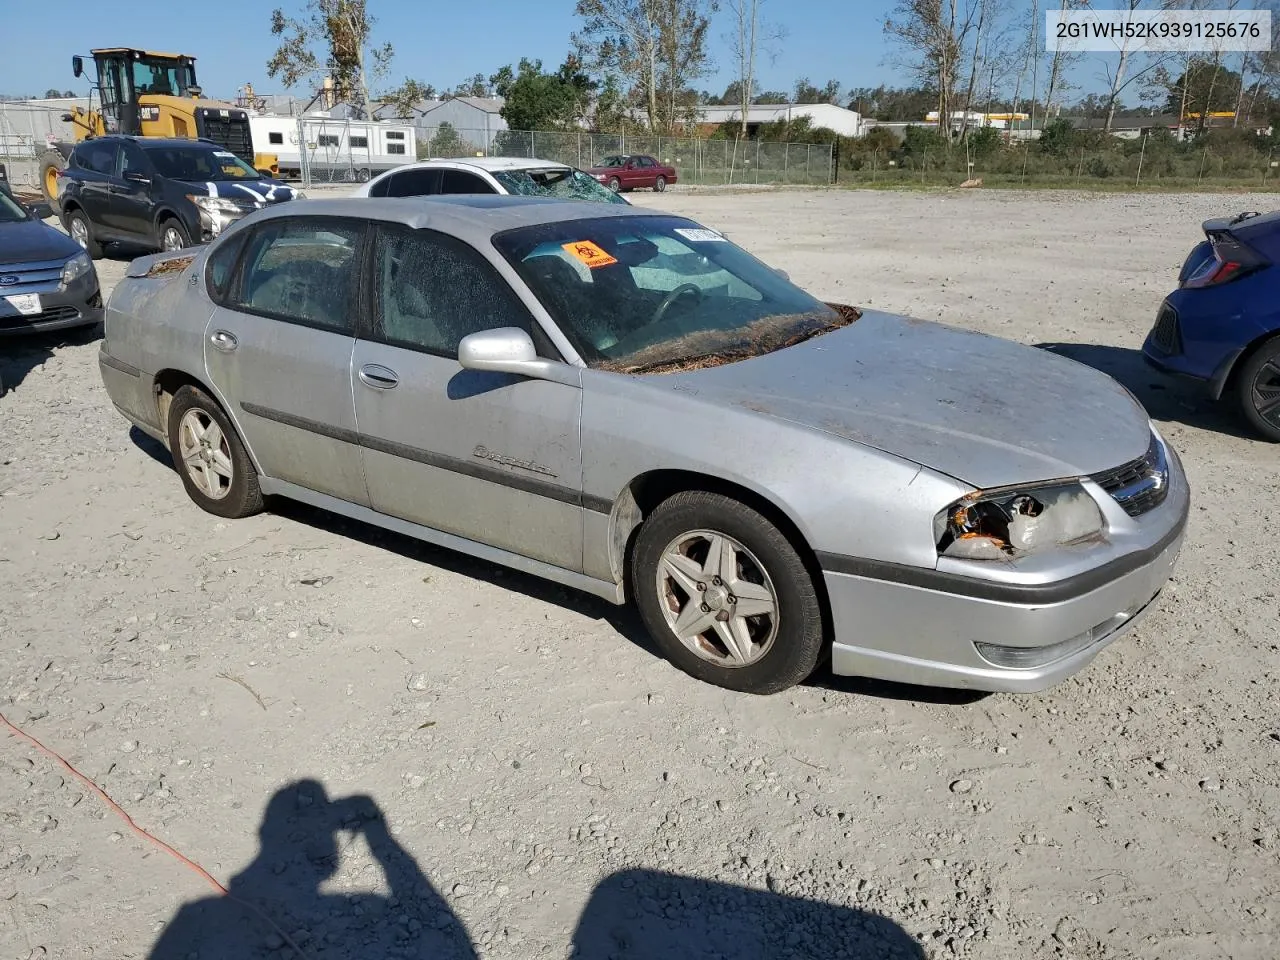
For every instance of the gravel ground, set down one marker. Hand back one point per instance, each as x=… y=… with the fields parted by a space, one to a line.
x=397 y=751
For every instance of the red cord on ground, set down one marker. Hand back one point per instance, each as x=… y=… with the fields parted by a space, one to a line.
x=177 y=855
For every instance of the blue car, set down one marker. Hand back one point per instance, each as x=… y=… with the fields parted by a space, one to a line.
x=1221 y=326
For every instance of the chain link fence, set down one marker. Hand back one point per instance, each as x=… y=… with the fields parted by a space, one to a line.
x=26 y=130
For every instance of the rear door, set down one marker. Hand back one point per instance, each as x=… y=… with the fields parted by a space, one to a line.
x=129 y=211
x=648 y=172
x=490 y=457
x=278 y=350
x=96 y=162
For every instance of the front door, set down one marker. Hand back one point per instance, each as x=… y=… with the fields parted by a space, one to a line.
x=490 y=457
x=278 y=350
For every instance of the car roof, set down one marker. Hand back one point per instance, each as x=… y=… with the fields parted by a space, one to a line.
x=472 y=217
x=154 y=143
x=488 y=164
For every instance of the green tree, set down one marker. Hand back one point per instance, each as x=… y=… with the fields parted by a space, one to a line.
x=447 y=142
x=330 y=37
x=1204 y=87
x=403 y=98
x=536 y=100
x=1058 y=138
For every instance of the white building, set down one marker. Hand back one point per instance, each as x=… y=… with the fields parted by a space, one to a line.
x=828 y=116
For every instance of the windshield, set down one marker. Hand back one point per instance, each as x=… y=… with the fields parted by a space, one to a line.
x=162 y=76
x=659 y=294
x=10 y=211
x=564 y=182
x=198 y=165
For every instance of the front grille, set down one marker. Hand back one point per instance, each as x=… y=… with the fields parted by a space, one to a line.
x=36 y=277
x=230 y=133
x=65 y=312
x=1166 y=335
x=1140 y=485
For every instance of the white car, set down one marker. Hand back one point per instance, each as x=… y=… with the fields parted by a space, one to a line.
x=515 y=176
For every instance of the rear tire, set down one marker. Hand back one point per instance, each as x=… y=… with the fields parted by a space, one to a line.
x=82 y=233
x=209 y=457
x=1258 y=389
x=660 y=185
x=701 y=562
x=362 y=175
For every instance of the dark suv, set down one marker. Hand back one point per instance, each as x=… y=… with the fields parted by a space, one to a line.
x=158 y=193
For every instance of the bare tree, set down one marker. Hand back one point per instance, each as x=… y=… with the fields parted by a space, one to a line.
x=933 y=35
x=750 y=36
x=330 y=38
x=1132 y=65
x=657 y=47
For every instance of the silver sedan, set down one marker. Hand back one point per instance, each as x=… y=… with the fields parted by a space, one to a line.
x=623 y=401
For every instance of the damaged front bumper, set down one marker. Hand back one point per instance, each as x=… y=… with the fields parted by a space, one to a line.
x=915 y=626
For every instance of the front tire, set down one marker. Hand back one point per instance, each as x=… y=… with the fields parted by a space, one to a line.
x=1259 y=389
x=725 y=594
x=207 y=453
x=615 y=184
x=173 y=235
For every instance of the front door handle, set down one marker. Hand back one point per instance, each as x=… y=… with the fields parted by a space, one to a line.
x=377 y=376
x=223 y=341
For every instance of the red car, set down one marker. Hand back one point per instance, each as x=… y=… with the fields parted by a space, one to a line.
x=622 y=172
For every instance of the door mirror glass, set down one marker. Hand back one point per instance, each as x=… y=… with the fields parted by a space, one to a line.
x=504 y=350
x=77 y=66
x=782 y=273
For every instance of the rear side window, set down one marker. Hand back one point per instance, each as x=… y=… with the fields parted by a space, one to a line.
x=220 y=267
x=303 y=270
x=459 y=181
x=414 y=183
x=97 y=156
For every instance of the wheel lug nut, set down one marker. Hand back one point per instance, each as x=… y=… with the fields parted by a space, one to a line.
x=716 y=581
x=705 y=608
x=702 y=586
x=731 y=598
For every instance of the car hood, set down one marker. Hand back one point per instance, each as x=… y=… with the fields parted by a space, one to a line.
x=32 y=241
x=982 y=409
x=259 y=191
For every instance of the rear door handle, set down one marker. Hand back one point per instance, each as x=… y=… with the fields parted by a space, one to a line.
x=223 y=341
x=377 y=376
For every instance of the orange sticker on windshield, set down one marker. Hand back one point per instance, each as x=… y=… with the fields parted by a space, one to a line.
x=589 y=253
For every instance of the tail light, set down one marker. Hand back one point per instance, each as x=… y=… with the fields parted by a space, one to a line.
x=1231 y=260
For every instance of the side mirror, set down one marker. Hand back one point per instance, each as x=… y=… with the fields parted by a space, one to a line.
x=133 y=176
x=77 y=66
x=511 y=350
x=41 y=210
x=782 y=273
x=504 y=350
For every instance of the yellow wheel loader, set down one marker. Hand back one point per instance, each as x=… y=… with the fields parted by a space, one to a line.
x=148 y=94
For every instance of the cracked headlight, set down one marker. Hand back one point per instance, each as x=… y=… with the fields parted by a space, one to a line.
x=75 y=268
x=1007 y=523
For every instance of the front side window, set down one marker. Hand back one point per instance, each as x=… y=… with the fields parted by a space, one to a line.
x=133 y=160
x=303 y=270
x=646 y=293
x=459 y=181
x=220 y=264
x=431 y=290
x=198 y=165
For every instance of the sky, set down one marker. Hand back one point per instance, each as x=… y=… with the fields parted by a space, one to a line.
x=438 y=43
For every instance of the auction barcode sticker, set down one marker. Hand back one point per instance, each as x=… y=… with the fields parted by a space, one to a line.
x=1153 y=31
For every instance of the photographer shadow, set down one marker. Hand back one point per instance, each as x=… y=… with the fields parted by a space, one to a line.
x=275 y=910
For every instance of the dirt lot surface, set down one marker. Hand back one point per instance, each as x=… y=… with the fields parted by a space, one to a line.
x=531 y=780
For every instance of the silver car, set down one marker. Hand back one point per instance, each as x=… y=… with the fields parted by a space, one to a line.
x=623 y=401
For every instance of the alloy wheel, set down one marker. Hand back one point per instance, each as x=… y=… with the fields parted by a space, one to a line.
x=1266 y=392
x=205 y=453
x=717 y=598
